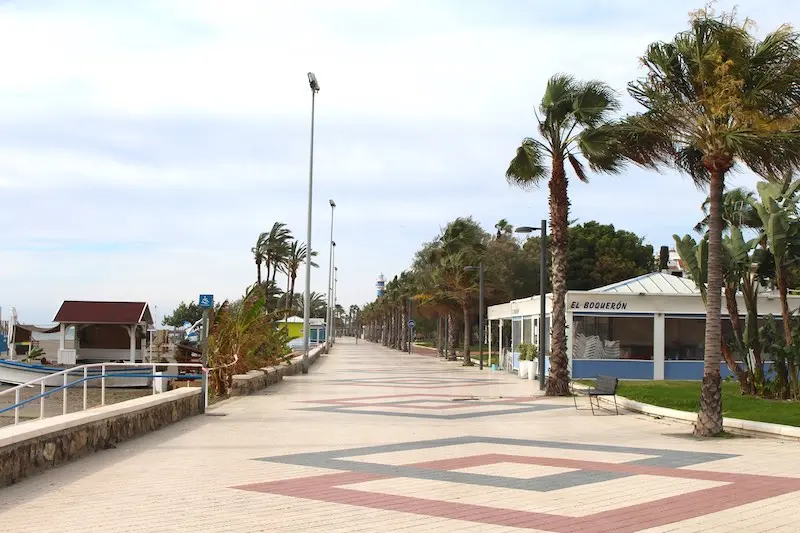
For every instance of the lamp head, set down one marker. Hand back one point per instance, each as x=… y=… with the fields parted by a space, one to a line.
x=312 y=82
x=333 y=243
x=526 y=229
x=333 y=204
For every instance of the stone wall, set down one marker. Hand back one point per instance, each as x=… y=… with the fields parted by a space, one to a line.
x=255 y=380
x=32 y=447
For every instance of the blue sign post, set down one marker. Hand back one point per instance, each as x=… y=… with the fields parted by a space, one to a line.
x=206 y=303
x=411 y=324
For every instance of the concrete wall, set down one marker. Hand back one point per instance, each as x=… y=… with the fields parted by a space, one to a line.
x=255 y=380
x=32 y=447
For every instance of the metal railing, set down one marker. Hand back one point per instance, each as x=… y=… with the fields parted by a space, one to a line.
x=106 y=371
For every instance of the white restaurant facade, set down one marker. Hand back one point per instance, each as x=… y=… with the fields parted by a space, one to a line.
x=649 y=327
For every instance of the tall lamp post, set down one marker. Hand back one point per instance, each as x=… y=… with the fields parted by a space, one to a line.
x=479 y=268
x=330 y=279
x=333 y=310
x=312 y=82
x=542 y=287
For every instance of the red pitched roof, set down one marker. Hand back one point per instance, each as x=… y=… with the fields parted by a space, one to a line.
x=75 y=312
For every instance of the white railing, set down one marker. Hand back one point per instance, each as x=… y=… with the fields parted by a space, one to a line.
x=106 y=371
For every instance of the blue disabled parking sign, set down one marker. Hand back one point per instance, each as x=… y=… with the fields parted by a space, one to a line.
x=206 y=301
x=411 y=324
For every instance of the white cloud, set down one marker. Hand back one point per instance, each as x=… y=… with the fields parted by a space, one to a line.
x=155 y=139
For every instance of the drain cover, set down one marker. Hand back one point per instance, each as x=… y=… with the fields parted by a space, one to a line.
x=465 y=399
x=216 y=414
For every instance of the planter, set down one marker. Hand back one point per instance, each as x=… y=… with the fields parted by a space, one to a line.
x=524 y=369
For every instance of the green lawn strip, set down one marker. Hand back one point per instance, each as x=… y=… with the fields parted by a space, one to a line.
x=685 y=396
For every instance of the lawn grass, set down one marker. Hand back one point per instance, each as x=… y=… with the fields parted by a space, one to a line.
x=685 y=396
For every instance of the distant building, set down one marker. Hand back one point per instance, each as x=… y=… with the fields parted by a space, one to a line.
x=674 y=265
x=380 y=285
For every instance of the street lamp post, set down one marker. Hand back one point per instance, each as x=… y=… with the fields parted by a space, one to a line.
x=333 y=311
x=542 y=288
x=312 y=82
x=330 y=279
x=479 y=268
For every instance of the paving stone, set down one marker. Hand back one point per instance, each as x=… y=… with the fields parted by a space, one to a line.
x=374 y=440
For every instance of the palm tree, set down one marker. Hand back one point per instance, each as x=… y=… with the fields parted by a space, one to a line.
x=737 y=211
x=461 y=287
x=295 y=257
x=503 y=228
x=275 y=246
x=714 y=97
x=573 y=121
x=318 y=306
x=258 y=255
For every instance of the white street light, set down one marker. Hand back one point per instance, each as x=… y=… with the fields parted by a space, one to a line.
x=312 y=82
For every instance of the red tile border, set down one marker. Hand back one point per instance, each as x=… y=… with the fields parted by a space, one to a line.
x=740 y=490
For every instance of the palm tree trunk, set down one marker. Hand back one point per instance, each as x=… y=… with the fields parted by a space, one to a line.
x=452 y=336
x=744 y=377
x=467 y=339
x=291 y=289
x=709 y=418
x=439 y=336
x=403 y=328
x=558 y=379
x=258 y=273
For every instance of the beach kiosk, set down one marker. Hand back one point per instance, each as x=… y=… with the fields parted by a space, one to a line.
x=648 y=327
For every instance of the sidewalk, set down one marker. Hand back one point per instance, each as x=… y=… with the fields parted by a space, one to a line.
x=374 y=440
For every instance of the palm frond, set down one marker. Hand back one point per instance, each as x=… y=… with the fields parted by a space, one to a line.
x=600 y=147
x=594 y=102
x=527 y=168
x=559 y=98
x=577 y=166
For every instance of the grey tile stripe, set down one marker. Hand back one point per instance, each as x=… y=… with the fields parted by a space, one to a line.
x=333 y=460
x=435 y=416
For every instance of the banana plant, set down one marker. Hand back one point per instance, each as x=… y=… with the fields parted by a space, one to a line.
x=736 y=254
x=777 y=207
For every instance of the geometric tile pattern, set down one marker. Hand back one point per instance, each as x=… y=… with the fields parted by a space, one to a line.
x=414 y=382
x=432 y=406
x=676 y=493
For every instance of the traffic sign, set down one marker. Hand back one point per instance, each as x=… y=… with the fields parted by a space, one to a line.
x=206 y=301
x=411 y=324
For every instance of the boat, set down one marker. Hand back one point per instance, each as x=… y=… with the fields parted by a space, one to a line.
x=19 y=372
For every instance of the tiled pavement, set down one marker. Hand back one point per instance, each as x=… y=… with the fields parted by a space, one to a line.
x=377 y=441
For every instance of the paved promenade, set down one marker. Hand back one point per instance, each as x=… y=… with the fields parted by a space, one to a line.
x=377 y=441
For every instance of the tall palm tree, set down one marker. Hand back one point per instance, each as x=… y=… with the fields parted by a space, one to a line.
x=259 y=256
x=461 y=287
x=275 y=244
x=572 y=123
x=295 y=257
x=713 y=97
x=275 y=248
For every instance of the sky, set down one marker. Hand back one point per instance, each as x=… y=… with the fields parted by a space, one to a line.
x=144 y=144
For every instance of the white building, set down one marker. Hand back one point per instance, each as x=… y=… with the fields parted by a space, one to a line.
x=649 y=327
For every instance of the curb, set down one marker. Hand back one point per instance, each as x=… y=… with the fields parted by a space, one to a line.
x=751 y=427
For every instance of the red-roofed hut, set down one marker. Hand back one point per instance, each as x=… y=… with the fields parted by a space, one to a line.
x=104 y=331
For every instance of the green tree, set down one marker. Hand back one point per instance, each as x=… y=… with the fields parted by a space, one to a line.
x=572 y=123
x=185 y=312
x=600 y=255
x=715 y=96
